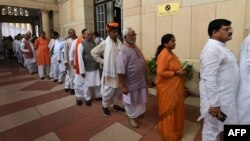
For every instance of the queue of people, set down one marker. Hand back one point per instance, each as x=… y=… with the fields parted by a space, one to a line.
x=223 y=84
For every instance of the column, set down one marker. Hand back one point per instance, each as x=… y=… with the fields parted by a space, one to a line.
x=45 y=22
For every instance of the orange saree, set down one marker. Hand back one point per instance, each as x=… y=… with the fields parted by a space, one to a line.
x=170 y=97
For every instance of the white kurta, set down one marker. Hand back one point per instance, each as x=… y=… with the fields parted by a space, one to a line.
x=218 y=86
x=243 y=97
x=92 y=78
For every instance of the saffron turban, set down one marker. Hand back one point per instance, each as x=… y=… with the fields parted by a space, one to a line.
x=112 y=26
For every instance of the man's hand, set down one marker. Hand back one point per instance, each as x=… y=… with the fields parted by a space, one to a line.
x=124 y=90
x=215 y=111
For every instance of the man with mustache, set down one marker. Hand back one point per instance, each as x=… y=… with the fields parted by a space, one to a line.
x=219 y=81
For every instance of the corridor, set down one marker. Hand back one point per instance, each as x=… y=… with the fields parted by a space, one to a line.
x=40 y=110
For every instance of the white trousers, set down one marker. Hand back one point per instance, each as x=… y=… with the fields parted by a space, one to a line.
x=61 y=74
x=56 y=71
x=211 y=129
x=79 y=86
x=69 y=80
x=52 y=65
x=88 y=92
x=31 y=66
x=42 y=68
x=107 y=93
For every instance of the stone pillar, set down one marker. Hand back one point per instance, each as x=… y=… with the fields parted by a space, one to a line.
x=18 y=25
x=23 y=26
x=45 y=22
x=29 y=27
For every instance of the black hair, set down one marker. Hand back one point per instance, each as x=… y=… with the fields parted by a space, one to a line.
x=217 y=24
x=96 y=34
x=164 y=39
x=83 y=31
x=55 y=33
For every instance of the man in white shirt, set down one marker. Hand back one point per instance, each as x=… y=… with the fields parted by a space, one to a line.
x=243 y=97
x=54 y=46
x=110 y=83
x=219 y=81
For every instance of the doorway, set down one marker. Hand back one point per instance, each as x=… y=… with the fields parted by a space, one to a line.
x=107 y=11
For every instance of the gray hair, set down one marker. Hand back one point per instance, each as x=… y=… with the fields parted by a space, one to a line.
x=126 y=31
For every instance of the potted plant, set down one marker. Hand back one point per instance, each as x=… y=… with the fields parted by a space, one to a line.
x=151 y=63
x=189 y=75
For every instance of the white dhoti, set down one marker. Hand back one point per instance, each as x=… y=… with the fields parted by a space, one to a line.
x=135 y=102
x=92 y=82
x=31 y=65
x=108 y=93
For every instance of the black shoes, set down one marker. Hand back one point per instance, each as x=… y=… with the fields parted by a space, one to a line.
x=88 y=102
x=118 y=108
x=99 y=98
x=66 y=89
x=72 y=91
x=42 y=78
x=55 y=80
x=106 y=112
x=78 y=102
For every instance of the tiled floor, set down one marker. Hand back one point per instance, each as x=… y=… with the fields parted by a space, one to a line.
x=34 y=109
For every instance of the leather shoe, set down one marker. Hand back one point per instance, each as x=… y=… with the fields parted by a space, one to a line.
x=88 y=102
x=78 y=102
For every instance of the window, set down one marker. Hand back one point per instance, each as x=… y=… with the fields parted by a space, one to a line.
x=101 y=19
x=14 y=11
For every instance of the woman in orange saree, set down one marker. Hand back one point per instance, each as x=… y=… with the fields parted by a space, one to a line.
x=170 y=87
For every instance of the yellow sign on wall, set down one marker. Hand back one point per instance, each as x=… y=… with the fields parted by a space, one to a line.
x=169 y=9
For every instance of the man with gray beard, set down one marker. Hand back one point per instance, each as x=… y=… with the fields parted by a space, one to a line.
x=132 y=73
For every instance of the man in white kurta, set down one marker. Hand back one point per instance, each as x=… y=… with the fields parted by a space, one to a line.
x=110 y=82
x=89 y=68
x=17 y=49
x=219 y=81
x=69 y=81
x=132 y=72
x=28 y=51
x=60 y=61
x=54 y=46
x=243 y=97
x=78 y=80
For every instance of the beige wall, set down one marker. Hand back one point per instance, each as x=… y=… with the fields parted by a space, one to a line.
x=189 y=26
x=76 y=14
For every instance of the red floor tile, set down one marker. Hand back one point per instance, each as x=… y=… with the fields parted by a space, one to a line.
x=31 y=102
x=42 y=126
x=1 y=137
x=16 y=81
x=88 y=126
x=41 y=85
